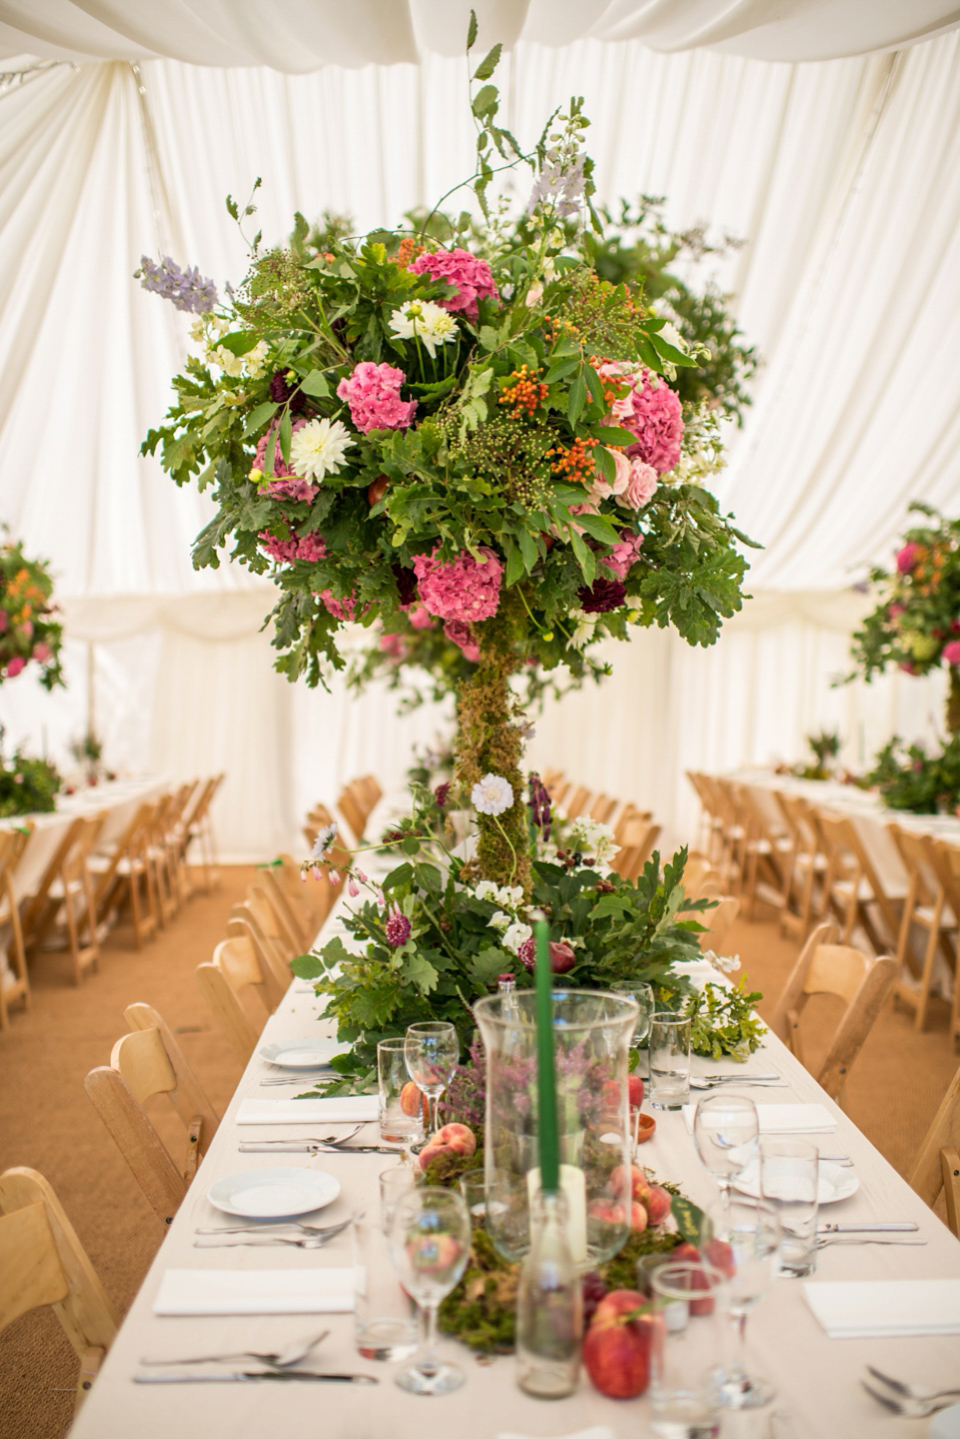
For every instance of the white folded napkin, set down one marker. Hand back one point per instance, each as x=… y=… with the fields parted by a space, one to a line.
x=598 y=1431
x=783 y=1118
x=349 y=1110
x=870 y=1308
x=255 y=1291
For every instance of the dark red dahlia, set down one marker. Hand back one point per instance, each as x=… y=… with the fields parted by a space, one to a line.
x=280 y=393
x=603 y=596
x=406 y=584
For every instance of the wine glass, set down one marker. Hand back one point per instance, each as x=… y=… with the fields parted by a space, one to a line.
x=746 y=1247
x=726 y=1131
x=430 y=1246
x=642 y=992
x=431 y=1052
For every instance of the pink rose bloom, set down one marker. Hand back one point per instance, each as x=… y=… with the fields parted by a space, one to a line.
x=652 y=411
x=472 y=277
x=641 y=486
x=340 y=609
x=462 y=635
x=466 y=589
x=907 y=558
x=42 y=653
x=15 y=666
x=602 y=489
x=420 y=618
x=624 y=556
x=373 y=394
x=951 y=652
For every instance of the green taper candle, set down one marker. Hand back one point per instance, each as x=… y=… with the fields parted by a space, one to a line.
x=546 y=1075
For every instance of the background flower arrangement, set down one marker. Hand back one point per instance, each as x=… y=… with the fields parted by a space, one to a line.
x=27 y=786
x=29 y=631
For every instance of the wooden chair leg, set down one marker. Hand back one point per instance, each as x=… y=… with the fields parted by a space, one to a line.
x=950 y=1165
x=923 y=998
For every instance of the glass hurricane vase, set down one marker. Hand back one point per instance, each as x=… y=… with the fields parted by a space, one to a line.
x=591 y=1031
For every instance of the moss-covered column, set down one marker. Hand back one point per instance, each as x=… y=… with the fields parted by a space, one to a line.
x=953 y=701
x=490 y=742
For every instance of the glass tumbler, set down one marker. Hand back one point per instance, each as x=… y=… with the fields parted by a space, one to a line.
x=687 y=1340
x=385 y=1317
x=789 y=1182
x=401 y=1102
x=669 y=1061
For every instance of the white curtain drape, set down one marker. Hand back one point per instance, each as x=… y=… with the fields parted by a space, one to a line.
x=842 y=179
x=300 y=35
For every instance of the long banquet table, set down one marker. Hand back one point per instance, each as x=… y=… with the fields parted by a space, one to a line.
x=817 y=1378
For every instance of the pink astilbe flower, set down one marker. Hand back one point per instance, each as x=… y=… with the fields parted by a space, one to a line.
x=398 y=929
x=624 y=556
x=652 y=411
x=373 y=394
x=340 y=609
x=311 y=548
x=295 y=489
x=465 y=589
x=462 y=636
x=472 y=277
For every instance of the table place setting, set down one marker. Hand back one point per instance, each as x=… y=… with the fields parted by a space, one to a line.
x=783 y=1118
x=255 y=1291
x=888 y=1308
x=350 y=1109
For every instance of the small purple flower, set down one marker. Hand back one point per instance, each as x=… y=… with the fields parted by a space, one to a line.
x=186 y=288
x=398 y=929
x=442 y=793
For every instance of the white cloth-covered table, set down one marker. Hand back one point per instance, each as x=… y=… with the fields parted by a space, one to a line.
x=817 y=1378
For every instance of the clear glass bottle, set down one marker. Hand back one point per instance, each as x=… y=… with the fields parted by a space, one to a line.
x=549 y=1306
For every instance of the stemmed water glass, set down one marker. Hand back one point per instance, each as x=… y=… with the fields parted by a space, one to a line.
x=430 y=1246
x=746 y=1247
x=431 y=1052
x=642 y=992
x=726 y=1131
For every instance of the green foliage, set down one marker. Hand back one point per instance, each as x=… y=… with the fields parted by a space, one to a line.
x=29 y=629
x=909 y=778
x=724 y=1025
x=27 y=786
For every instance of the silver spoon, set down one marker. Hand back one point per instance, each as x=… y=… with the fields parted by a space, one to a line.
x=283 y=1359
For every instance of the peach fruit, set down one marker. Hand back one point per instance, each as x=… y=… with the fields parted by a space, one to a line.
x=616 y=1351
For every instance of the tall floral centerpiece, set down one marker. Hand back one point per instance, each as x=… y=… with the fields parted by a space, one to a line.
x=916 y=627
x=486 y=445
x=30 y=632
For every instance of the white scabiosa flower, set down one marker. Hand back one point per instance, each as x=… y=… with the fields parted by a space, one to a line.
x=318 y=448
x=493 y=795
x=422 y=320
x=324 y=842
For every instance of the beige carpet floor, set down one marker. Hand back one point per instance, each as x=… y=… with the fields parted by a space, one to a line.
x=47 y=1122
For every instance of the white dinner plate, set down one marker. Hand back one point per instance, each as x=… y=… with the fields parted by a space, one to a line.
x=946 y=1424
x=273 y=1193
x=836 y=1182
x=302 y=1053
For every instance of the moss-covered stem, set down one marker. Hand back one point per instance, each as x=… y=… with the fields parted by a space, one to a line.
x=953 y=701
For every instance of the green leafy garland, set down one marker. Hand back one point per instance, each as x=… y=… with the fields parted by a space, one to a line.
x=30 y=633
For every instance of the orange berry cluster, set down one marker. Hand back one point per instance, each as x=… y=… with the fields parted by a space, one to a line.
x=407 y=250
x=576 y=463
x=613 y=389
x=928 y=570
x=527 y=392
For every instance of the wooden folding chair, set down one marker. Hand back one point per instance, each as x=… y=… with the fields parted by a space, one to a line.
x=711 y=821
x=123 y=873
x=236 y=970
x=274 y=920
x=700 y=879
x=733 y=830
x=305 y=900
x=244 y=923
x=603 y=809
x=825 y=967
x=768 y=848
x=146 y=1062
x=937 y=1165
x=14 y=980
x=846 y=889
x=636 y=846
x=927 y=907
x=718 y=922
x=198 y=825
x=805 y=866
x=949 y=859
x=74 y=888
x=43 y=1262
x=577 y=804
x=550 y=779
x=352 y=811
x=175 y=840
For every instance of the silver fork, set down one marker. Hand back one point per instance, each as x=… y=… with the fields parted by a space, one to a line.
x=334 y=1139
x=313 y=1231
x=913 y=1391
x=301 y=1241
x=909 y=1408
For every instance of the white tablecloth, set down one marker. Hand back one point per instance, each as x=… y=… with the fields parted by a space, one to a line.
x=818 y=1379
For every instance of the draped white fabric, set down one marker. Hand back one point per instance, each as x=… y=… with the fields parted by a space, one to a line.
x=301 y=35
x=841 y=177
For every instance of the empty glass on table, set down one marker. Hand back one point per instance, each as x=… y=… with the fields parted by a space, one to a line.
x=726 y=1131
x=746 y=1247
x=642 y=992
x=669 y=1060
x=430 y=1247
x=432 y=1052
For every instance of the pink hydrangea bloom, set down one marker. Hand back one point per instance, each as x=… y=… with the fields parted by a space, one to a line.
x=311 y=548
x=292 y=490
x=420 y=617
x=340 y=609
x=299 y=489
x=652 y=411
x=373 y=394
x=951 y=652
x=472 y=277
x=624 y=556
x=462 y=635
x=42 y=653
x=907 y=558
x=14 y=666
x=465 y=589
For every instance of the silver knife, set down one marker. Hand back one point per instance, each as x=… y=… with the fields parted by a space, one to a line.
x=746 y=1078
x=249 y=1375
x=906 y=1226
x=293 y=1148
